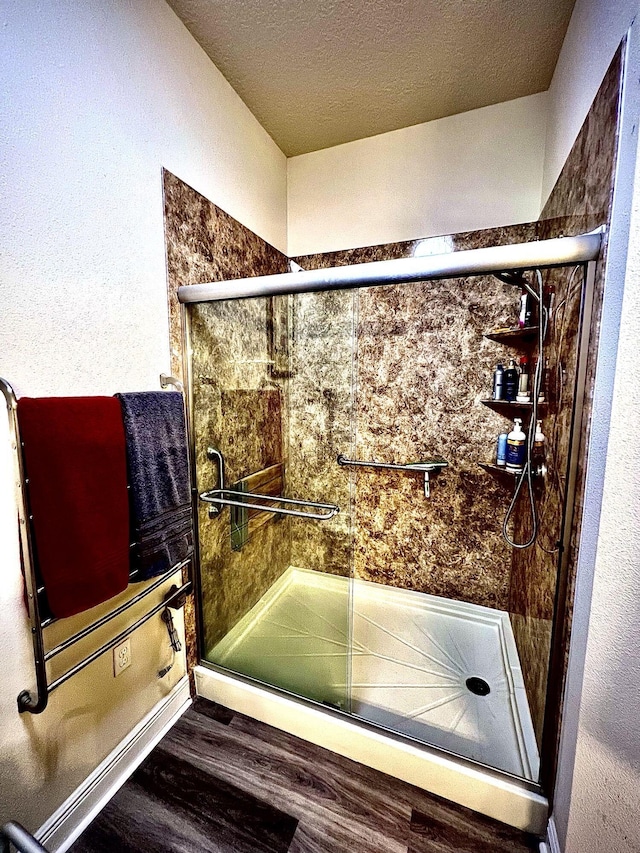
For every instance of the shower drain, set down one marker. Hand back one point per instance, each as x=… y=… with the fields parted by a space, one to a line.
x=478 y=686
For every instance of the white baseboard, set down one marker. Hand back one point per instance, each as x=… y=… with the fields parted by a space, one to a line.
x=76 y=813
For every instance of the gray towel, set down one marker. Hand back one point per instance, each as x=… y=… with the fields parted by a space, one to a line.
x=158 y=466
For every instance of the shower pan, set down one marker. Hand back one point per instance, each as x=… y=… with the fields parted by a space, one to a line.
x=352 y=558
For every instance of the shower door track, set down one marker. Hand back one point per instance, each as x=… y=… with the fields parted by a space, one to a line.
x=540 y=254
x=583 y=250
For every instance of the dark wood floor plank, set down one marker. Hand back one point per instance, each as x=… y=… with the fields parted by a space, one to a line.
x=131 y=822
x=212 y=710
x=448 y=827
x=220 y=782
x=313 y=782
x=336 y=838
x=220 y=817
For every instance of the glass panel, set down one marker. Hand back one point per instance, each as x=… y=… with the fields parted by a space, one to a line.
x=273 y=393
x=408 y=610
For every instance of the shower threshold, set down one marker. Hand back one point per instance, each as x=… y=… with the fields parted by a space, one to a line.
x=443 y=672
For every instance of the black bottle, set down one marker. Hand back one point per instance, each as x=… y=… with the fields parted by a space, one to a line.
x=510 y=382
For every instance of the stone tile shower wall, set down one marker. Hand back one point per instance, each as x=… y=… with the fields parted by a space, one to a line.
x=204 y=243
x=581 y=201
x=320 y=411
x=239 y=409
x=421 y=367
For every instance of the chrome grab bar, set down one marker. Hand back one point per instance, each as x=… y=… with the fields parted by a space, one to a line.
x=428 y=465
x=425 y=466
x=216 y=496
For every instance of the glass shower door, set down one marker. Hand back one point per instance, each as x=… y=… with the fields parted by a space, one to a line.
x=273 y=393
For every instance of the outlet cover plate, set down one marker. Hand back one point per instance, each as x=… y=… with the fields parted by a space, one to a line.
x=122 y=657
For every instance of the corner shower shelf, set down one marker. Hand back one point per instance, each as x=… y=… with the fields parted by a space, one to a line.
x=504 y=407
x=513 y=336
x=501 y=472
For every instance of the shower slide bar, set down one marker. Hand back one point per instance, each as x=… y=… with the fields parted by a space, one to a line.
x=540 y=254
x=36 y=701
x=216 y=498
x=427 y=466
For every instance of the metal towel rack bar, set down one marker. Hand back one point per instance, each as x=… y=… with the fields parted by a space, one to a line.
x=14 y=833
x=130 y=602
x=216 y=498
x=425 y=466
x=36 y=702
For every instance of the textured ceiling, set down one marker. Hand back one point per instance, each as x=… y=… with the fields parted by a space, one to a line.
x=317 y=74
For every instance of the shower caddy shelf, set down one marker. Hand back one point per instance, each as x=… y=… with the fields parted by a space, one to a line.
x=519 y=334
x=501 y=471
x=505 y=406
x=36 y=701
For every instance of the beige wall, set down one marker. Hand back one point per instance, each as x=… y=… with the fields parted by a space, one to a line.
x=595 y=31
x=96 y=98
x=476 y=170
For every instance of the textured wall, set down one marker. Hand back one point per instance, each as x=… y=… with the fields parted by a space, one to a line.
x=95 y=98
x=593 y=36
x=606 y=779
x=479 y=169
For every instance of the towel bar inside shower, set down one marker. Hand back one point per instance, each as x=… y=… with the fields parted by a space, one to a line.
x=36 y=701
x=217 y=498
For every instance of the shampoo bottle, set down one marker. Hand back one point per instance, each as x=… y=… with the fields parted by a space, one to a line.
x=539 y=445
x=511 y=379
x=498 y=378
x=523 y=384
x=516 y=447
x=501 y=450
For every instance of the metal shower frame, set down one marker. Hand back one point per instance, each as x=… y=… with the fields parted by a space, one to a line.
x=583 y=250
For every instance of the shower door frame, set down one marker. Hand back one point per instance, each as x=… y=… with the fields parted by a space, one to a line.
x=583 y=251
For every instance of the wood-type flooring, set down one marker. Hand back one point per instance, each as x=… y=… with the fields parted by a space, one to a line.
x=220 y=782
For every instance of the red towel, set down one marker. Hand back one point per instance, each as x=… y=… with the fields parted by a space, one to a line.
x=76 y=464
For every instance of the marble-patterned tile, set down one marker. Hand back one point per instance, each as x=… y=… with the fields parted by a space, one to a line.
x=320 y=407
x=423 y=366
x=580 y=201
x=203 y=243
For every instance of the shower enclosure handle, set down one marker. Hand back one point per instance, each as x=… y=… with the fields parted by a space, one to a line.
x=426 y=466
x=218 y=498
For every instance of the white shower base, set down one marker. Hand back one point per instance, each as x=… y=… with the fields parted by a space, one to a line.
x=412 y=654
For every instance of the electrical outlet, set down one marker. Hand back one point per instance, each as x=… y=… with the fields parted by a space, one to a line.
x=122 y=657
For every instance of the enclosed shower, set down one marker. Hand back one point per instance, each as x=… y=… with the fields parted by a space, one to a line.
x=350 y=512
